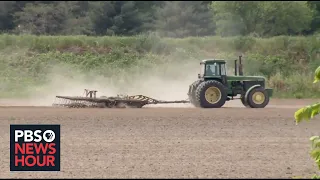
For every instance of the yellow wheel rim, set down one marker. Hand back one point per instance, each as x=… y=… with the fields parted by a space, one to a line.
x=258 y=97
x=212 y=95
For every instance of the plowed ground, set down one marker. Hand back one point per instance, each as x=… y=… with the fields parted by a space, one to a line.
x=230 y=142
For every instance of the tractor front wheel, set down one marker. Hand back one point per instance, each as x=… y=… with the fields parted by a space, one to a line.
x=211 y=94
x=258 y=98
x=244 y=102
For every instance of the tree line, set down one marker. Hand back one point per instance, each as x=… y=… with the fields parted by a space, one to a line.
x=168 y=18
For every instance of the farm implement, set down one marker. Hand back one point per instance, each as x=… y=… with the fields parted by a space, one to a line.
x=120 y=101
x=211 y=90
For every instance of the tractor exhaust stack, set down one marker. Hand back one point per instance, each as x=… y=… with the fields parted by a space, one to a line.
x=240 y=67
x=235 y=67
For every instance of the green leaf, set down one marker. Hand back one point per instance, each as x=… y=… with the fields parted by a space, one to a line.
x=317 y=75
x=316 y=143
x=315 y=109
x=298 y=115
x=303 y=113
x=315 y=177
x=314 y=138
x=315 y=153
x=307 y=113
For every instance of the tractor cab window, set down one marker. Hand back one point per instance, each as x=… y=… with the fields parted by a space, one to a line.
x=223 y=70
x=212 y=69
x=202 y=69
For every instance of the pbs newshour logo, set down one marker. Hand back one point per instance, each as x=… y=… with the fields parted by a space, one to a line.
x=34 y=147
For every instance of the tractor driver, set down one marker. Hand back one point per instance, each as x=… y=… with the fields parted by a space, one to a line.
x=209 y=71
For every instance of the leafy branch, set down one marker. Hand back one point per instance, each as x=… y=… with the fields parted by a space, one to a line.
x=307 y=113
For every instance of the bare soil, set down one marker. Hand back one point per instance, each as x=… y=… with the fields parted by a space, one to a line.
x=153 y=142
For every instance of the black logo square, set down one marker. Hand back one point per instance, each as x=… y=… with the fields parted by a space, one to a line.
x=34 y=147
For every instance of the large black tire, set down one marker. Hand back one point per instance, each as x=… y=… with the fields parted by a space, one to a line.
x=192 y=95
x=201 y=94
x=193 y=100
x=264 y=102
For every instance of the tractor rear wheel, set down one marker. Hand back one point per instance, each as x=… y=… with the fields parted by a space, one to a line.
x=211 y=94
x=258 y=98
x=192 y=93
x=193 y=100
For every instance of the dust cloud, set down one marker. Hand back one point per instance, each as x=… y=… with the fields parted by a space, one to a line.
x=167 y=82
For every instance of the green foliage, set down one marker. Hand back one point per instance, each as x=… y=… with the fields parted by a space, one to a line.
x=78 y=21
x=181 y=19
x=169 y=18
x=235 y=18
x=315 y=153
x=315 y=6
x=317 y=75
x=6 y=8
x=285 y=61
x=42 y=18
x=285 y=17
x=265 y=18
x=307 y=113
x=117 y=17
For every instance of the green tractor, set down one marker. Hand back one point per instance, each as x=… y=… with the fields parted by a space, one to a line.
x=213 y=87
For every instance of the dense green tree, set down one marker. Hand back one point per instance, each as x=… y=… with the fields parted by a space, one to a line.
x=148 y=8
x=169 y=18
x=236 y=17
x=315 y=25
x=184 y=18
x=264 y=18
x=42 y=18
x=285 y=17
x=6 y=19
x=117 y=17
x=78 y=21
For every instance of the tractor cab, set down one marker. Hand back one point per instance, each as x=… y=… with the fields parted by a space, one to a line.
x=212 y=68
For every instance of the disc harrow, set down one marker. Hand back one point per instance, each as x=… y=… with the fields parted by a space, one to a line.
x=120 y=101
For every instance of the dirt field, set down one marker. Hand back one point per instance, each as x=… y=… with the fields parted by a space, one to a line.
x=231 y=142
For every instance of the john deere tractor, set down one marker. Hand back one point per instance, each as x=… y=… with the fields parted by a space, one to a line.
x=214 y=87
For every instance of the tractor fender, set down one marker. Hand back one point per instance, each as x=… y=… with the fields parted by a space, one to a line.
x=249 y=90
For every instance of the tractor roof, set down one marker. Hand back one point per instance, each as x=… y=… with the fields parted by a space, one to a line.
x=213 y=61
